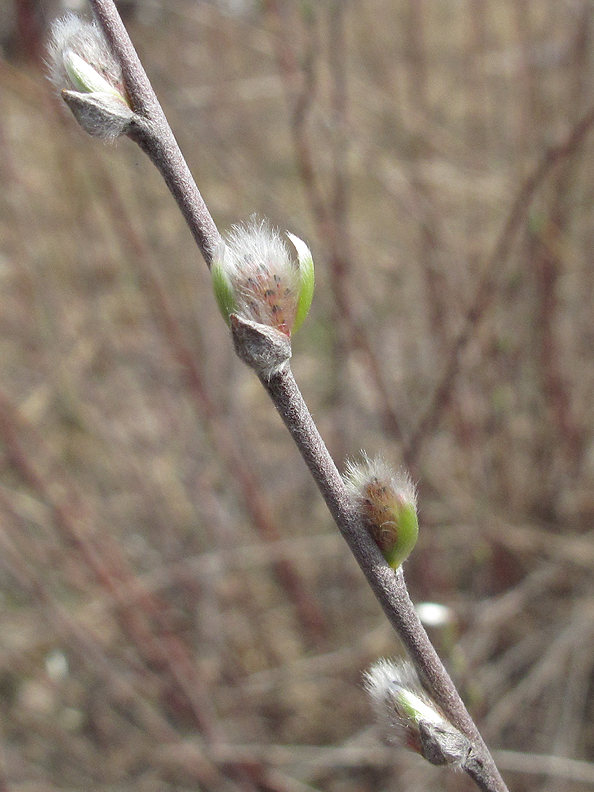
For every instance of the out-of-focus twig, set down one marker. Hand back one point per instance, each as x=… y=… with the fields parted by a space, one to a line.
x=329 y=214
x=486 y=289
x=137 y=608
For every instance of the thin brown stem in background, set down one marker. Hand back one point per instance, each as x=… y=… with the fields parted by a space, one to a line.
x=299 y=88
x=486 y=290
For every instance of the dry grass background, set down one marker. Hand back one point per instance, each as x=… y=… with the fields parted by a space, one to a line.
x=177 y=612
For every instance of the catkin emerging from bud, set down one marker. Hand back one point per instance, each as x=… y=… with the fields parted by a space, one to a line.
x=80 y=58
x=255 y=277
x=388 y=505
x=410 y=718
x=82 y=66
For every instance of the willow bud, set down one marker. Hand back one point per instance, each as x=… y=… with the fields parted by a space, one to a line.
x=387 y=504
x=255 y=278
x=89 y=77
x=409 y=717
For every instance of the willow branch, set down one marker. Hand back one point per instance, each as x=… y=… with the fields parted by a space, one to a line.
x=269 y=358
x=251 y=341
x=153 y=134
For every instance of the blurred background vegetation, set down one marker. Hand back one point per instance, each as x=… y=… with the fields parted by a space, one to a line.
x=177 y=611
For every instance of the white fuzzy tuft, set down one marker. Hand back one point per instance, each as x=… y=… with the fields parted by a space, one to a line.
x=256 y=243
x=358 y=475
x=399 y=702
x=73 y=35
x=264 y=278
x=387 y=677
